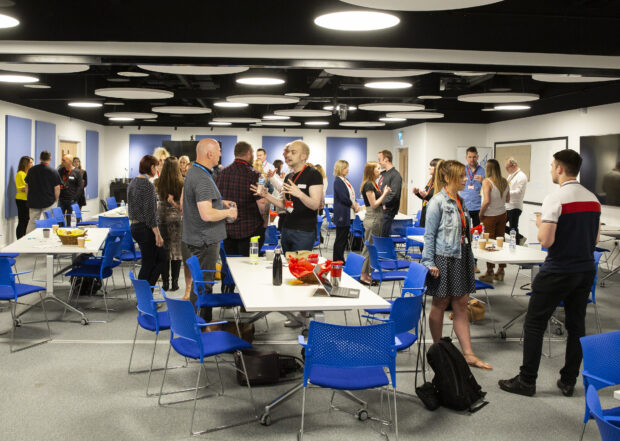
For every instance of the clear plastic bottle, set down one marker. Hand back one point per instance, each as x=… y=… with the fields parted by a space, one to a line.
x=73 y=220
x=277 y=267
x=261 y=183
x=513 y=240
x=474 y=239
x=123 y=203
x=254 y=249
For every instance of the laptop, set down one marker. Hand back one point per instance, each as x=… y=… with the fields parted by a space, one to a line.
x=333 y=291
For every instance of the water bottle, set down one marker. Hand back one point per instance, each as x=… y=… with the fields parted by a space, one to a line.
x=475 y=238
x=277 y=267
x=254 y=249
x=122 y=203
x=261 y=183
x=513 y=240
x=73 y=220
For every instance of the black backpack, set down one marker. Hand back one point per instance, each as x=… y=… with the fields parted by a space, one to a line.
x=454 y=383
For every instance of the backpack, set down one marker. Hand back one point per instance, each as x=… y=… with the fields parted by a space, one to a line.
x=86 y=285
x=455 y=384
x=267 y=367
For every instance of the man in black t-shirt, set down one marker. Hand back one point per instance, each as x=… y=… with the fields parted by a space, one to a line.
x=42 y=188
x=71 y=186
x=302 y=192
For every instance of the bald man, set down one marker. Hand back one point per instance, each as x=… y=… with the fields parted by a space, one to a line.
x=205 y=213
x=71 y=186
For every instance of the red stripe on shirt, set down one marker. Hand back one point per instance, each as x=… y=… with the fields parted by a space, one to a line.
x=581 y=207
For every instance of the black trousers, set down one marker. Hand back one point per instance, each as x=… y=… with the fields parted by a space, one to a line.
x=386 y=223
x=65 y=206
x=548 y=290
x=23 y=216
x=475 y=218
x=513 y=221
x=241 y=247
x=154 y=258
x=340 y=243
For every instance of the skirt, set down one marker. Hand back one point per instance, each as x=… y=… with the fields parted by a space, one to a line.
x=456 y=276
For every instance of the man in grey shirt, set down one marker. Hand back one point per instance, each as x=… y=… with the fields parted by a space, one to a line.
x=205 y=213
x=389 y=178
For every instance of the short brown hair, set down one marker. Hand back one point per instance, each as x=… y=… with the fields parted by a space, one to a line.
x=45 y=156
x=241 y=148
x=386 y=154
x=570 y=160
x=146 y=163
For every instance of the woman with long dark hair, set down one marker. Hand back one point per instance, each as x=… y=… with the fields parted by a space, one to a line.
x=428 y=192
x=23 y=216
x=77 y=164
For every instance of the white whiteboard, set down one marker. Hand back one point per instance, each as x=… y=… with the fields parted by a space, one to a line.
x=542 y=150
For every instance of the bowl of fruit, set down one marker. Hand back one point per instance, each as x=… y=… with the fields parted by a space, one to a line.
x=69 y=236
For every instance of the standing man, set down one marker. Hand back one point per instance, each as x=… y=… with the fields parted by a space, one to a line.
x=205 y=213
x=517 y=181
x=42 y=188
x=302 y=193
x=234 y=183
x=389 y=178
x=569 y=228
x=71 y=187
x=261 y=155
x=473 y=185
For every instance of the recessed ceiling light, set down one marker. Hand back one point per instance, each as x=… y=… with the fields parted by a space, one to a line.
x=227 y=104
x=357 y=21
x=276 y=117
x=85 y=104
x=349 y=108
x=281 y=123
x=262 y=99
x=132 y=115
x=362 y=124
x=512 y=107
x=113 y=103
x=470 y=74
x=132 y=74
x=304 y=113
x=219 y=123
x=7 y=21
x=430 y=97
x=121 y=118
x=391 y=107
x=183 y=110
x=392 y=119
x=376 y=73
x=37 y=86
x=260 y=81
x=501 y=97
x=134 y=93
x=300 y=94
x=316 y=123
x=388 y=85
x=18 y=79
x=569 y=78
x=44 y=67
x=238 y=120
x=193 y=69
x=420 y=5
x=415 y=115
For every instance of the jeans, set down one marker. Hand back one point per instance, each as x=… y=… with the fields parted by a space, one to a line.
x=35 y=214
x=513 y=221
x=65 y=206
x=207 y=257
x=386 y=223
x=22 y=218
x=340 y=244
x=297 y=240
x=154 y=258
x=548 y=290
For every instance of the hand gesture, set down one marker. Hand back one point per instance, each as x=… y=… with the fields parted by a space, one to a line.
x=228 y=204
x=478 y=178
x=258 y=192
x=171 y=199
x=434 y=271
x=270 y=173
x=423 y=193
x=416 y=190
x=386 y=189
x=232 y=213
x=292 y=189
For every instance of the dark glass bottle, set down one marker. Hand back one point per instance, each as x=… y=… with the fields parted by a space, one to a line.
x=277 y=268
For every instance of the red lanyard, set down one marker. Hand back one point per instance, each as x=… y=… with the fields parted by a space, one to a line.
x=461 y=213
x=469 y=174
x=348 y=185
x=377 y=187
x=297 y=177
x=241 y=161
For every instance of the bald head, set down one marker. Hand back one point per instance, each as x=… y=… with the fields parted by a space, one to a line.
x=208 y=152
x=67 y=161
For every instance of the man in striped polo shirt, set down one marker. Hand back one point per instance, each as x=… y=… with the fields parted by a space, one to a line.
x=569 y=228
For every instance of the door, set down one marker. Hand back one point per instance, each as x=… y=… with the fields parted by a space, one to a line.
x=67 y=148
x=403 y=168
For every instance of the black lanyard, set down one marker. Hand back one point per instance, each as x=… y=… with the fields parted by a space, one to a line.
x=209 y=173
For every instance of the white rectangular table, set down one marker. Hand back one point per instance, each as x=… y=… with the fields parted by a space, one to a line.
x=399 y=216
x=115 y=212
x=617 y=394
x=35 y=243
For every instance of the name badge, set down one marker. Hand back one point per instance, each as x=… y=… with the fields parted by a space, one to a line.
x=302 y=186
x=470 y=187
x=288 y=205
x=72 y=178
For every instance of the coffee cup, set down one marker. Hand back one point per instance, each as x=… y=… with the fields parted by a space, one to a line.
x=81 y=242
x=482 y=243
x=500 y=242
x=55 y=228
x=46 y=233
x=269 y=254
x=485 y=236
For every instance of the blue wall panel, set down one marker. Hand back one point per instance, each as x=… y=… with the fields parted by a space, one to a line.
x=352 y=150
x=18 y=143
x=91 y=163
x=140 y=145
x=45 y=139
x=274 y=145
x=228 y=146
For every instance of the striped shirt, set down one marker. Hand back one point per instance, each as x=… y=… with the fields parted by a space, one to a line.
x=577 y=213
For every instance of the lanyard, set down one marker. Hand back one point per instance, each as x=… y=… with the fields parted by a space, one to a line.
x=241 y=161
x=295 y=180
x=470 y=176
x=208 y=172
x=461 y=213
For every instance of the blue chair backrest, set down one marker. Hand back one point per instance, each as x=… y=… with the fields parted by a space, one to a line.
x=418 y=218
x=183 y=323
x=385 y=247
x=76 y=210
x=112 y=249
x=357 y=227
x=48 y=214
x=597 y=259
x=194 y=268
x=374 y=258
x=57 y=215
x=127 y=244
x=111 y=202
x=44 y=223
x=6 y=275
x=601 y=358
x=271 y=235
x=115 y=223
x=353 y=265
x=226 y=274
x=350 y=346
x=415 y=231
x=416 y=278
x=328 y=216
x=406 y=313
x=399 y=227
x=608 y=431
x=144 y=296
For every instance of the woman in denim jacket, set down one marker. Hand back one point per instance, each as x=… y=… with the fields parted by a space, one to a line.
x=448 y=255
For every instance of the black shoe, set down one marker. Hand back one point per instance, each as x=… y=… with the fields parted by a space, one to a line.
x=566 y=389
x=175 y=286
x=516 y=386
x=165 y=286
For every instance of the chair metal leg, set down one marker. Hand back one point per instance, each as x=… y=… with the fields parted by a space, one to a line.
x=303 y=411
x=163 y=380
x=395 y=413
x=191 y=426
x=486 y=294
x=583 y=431
x=133 y=346
x=148 y=383
x=598 y=319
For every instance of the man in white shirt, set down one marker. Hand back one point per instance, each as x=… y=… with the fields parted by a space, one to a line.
x=261 y=155
x=517 y=181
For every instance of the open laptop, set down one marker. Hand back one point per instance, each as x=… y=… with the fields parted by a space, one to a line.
x=333 y=291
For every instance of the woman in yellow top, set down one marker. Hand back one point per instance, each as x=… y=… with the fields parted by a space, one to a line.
x=20 y=198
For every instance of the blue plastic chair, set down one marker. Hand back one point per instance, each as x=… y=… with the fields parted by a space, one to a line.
x=111 y=203
x=188 y=341
x=317 y=242
x=114 y=223
x=11 y=291
x=399 y=230
x=330 y=224
x=418 y=218
x=483 y=286
x=271 y=238
x=349 y=358
x=48 y=214
x=379 y=274
x=44 y=223
x=356 y=230
x=609 y=427
x=353 y=266
x=206 y=298
x=387 y=254
x=59 y=217
x=414 y=231
x=601 y=361
x=79 y=217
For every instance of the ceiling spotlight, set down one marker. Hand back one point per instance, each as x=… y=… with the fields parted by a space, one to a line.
x=512 y=107
x=357 y=21
x=227 y=104
x=430 y=97
x=121 y=118
x=85 y=104
x=388 y=85
x=18 y=79
x=349 y=108
x=259 y=81
x=392 y=119
x=7 y=21
x=317 y=123
x=218 y=123
x=276 y=117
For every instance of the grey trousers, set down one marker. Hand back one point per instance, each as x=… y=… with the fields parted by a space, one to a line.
x=35 y=214
x=207 y=256
x=372 y=226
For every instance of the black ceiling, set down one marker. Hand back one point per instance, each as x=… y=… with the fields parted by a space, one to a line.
x=585 y=27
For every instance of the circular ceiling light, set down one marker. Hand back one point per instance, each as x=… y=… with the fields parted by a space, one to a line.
x=132 y=74
x=238 y=120
x=134 y=93
x=185 y=69
x=349 y=108
x=357 y=21
x=304 y=113
x=470 y=74
x=300 y=94
x=388 y=85
x=317 y=123
x=498 y=97
x=392 y=119
x=281 y=123
x=113 y=103
x=227 y=104
x=183 y=110
x=512 y=107
x=260 y=81
x=391 y=107
x=569 y=78
x=6 y=21
x=276 y=117
x=376 y=73
x=362 y=124
x=219 y=123
x=263 y=99
x=132 y=115
x=415 y=115
x=121 y=118
x=44 y=68
x=85 y=104
x=18 y=79
x=420 y=5
x=430 y=97
x=37 y=86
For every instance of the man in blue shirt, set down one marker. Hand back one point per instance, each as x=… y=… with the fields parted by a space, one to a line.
x=471 y=194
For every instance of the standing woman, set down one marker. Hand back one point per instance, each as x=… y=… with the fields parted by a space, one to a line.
x=277 y=165
x=428 y=192
x=345 y=207
x=142 y=206
x=77 y=164
x=258 y=166
x=495 y=195
x=319 y=168
x=161 y=154
x=448 y=256
x=169 y=187
x=373 y=199
x=23 y=215
x=184 y=164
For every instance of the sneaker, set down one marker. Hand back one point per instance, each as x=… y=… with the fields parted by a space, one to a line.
x=516 y=386
x=567 y=390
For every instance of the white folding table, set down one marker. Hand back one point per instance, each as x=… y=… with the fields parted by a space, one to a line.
x=115 y=212
x=35 y=243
